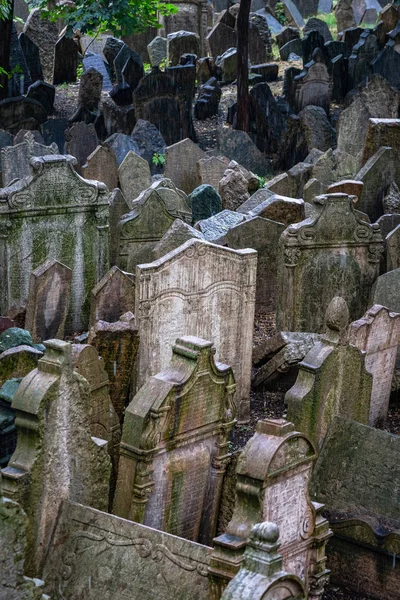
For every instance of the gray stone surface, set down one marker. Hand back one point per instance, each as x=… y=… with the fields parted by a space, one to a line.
x=157 y=50
x=237 y=145
x=218 y=225
x=386 y=291
x=179 y=233
x=134 y=176
x=15 y=160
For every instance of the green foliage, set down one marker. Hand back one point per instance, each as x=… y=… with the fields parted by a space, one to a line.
x=261 y=181
x=5 y=7
x=158 y=159
x=280 y=13
x=147 y=67
x=330 y=20
x=79 y=70
x=17 y=70
x=123 y=17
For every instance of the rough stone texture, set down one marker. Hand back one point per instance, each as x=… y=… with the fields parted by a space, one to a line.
x=314 y=84
x=318 y=131
x=112 y=297
x=378 y=334
x=117 y=207
x=182 y=42
x=80 y=141
x=55 y=458
x=233 y=187
x=377 y=174
x=32 y=57
x=382 y=132
x=293 y=15
x=286 y=35
x=48 y=300
x=262 y=235
x=65 y=60
x=178 y=415
x=334 y=165
x=91 y=83
x=281 y=209
x=185 y=284
x=361 y=501
x=222 y=36
x=393 y=249
x=388 y=223
x=237 y=145
x=344 y=15
x=211 y=170
x=102 y=166
x=134 y=176
x=53 y=131
x=218 y=225
x=386 y=291
x=332 y=380
x=262 y=571
x=179 y=233
x=273 y=474
x=117 y=343
x=21 y=113
x=73 y=231
x=44 y=34
x=149 y=140
x=255 y=200
x=157 y=50
x=153 y=213
x=148 y=562
x=205 y=202
x=361 y=57
x=391 y=201
x=180 y=161
x=120 y=144
x=15 y=160
x=320 y=26
x=333 y=240
x=18 y=361
x=351 y=187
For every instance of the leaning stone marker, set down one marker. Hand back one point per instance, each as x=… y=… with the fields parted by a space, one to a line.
x=175 y=292
x=386 y=291
x=113 y=296
x=48 y=301
x=55 y=458
x=332 y=380
x=180 y=161
x=15 y=160
x=377 y=333
x=134 y=175
x=174 y=444
x=333 y=240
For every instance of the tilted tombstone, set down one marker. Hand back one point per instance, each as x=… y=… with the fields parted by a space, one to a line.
x=114 y=553
x=80 y=141
x=292 y=14
x=332 y=380
x=361 y=57
x=148 y=140
x=113 y=296
x=191 y=16
x=102 y=166
x=140 y=230
x=18 y=361
x=366 y=11
x=18 y=66
x=117 y=343
x=65 y=60
x=48 y=301
x=221 y=37
x=217 y=226
x=43 y=93
x=44 y=34
x=173 y=295
x=136 y=66
x=377 y=174
x=261 y=574
x=120 y=144
x=386 y=291
x=53 y=131
x=273 y=475
x=180 y=161
x=377 y=334
x=175 y=444
x=387 y=64
x=157 y=50
x=15 y=160
x=46 y=467
x=156 y=99
x=205 y=202
x=333 y=240
x=176 y=201
x=70 y=210
x=312 y=39
x=181 y=42
x=382 y=132
x=211 y=170
x=96 y=63
x=134 y=176
x=262 y=235
x=179 y=233
x=393 y=249
x=118 y=206
x=314 y=85
x=90 y=86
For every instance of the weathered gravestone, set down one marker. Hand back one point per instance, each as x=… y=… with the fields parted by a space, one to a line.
x=134 y=175
x=386 y=291
x=211 y=170
x=332 y=380
x=273 y=475
x=344 y=15
x=382 y=132
x=136 y=70
x=19 y=78
x=336 y=241
x=233 y=187
x=48 y=301
x=65 y=60
x=93 y=551
x=102 y=166
x=314 y=84
x=387 y=64
x=15 y=160
x=393 y=249
x=377 y=174
x=149 y=141
x=53 y=131
x=117 y=343
x=90 y=87
x=217 y=226
x=174 y=444
x=81 y=140
x=377 y=333
x=180 y=161
x=113 y=296
x=356 y=475
x=120 y=144
x=54 y=213
x=157 y=50
x=237 y=145
x=361 y=57
x=205 y=202
x=190 y=282
x=44 y=34
x=191 y=16
x=118 y=207
x=262 y=574
x=55 y=458
x=182 y=42
x=262 y=235
x=179 y=233
x=94 y=63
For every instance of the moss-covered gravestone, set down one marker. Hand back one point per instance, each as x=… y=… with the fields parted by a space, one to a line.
x=15 y=159
x=54 y=214
x=175 y=447
x=55 y=457
x=262 y=576
x=48 y=300
x=332 y=380
x=273 y=474
x=198 y=289
x=332 y=253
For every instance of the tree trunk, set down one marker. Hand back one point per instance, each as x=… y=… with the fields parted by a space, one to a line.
x=243 y=66
x=5 y=43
